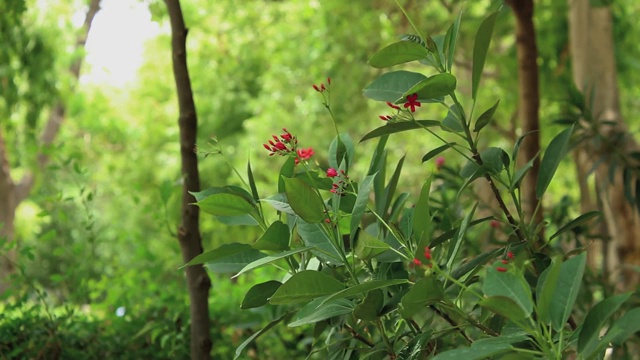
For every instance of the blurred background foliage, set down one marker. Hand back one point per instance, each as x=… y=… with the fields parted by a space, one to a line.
x=97 y=232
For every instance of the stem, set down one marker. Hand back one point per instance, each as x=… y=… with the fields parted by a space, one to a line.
x=358 y=337
x=385 y=338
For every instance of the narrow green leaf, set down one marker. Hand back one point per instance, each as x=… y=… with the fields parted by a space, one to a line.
x=425 y=291
x=480 y=49
x=398 y=53
x=421 y=220
x=516 y=147
x=520 y=173
x=270 y=259
x=304 y=286
x=259 y=333
x=286 y=171
x=389 y=191
x=453 y=121
x=396 y=127
x=279 y=202
x=552 y=156
x=360 y=206
x=312 y=235
x=627 y=325
x=433 y=87
x=460 y=237
x=546 y=288
x=341 y=148
x=368 y=247
x=477 y=262
x=252 y=182
x=503 y=306
x=224 y=204
x=364 y=287
x=510 y=284
x=391 y=86
x=451 y=233
x=276 y=238
x=433 y=153
x=475 y=352
x=259 y=294
x=316 y=311
x=575 y=223
x=486 y=117
x=595 y=321
x=304 y=201
x=451 y=39
x=370 y=307
x=224 y=251
x=569 y=282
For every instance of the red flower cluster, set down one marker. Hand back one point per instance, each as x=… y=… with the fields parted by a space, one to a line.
x=439 y=162
x=340 y=186
x=287 y=144
x=331 y=172
x=427 y=255
x=322 y=88
x=505 y=261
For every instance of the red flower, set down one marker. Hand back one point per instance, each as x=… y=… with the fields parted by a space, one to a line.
x=504 y=261
x=385 y=118
x=305 y=154
x=316 y=88
x=412 y=101
x=427 y=253
x=286 y=136
x=439 y=162
x=501 y=269
x=417 y=261
x=510 y=255
x=494 y=224
x=331 y=172
x=329 y=80
x=393 y=106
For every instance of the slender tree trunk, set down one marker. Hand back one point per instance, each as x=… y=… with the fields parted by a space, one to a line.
x=189 y=232
x=594 y=73
x=12 y=193
x=528 y=103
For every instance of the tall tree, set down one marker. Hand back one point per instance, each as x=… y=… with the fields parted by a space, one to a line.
x=595 y=75
x=11 y=192
x=528 y=102
x=189 y=232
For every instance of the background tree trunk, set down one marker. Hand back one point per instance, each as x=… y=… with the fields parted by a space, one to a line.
x=12 y=193
x=594 y=73
x=528 y=103
x=189 y=232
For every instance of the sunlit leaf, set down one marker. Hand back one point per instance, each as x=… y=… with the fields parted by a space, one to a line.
x=398 y=53
x=304 y=286
x=552 y=157
x=480 y=49
x=391 y=86
x=304 y=201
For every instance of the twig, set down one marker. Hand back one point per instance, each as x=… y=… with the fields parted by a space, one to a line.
x=358 y=337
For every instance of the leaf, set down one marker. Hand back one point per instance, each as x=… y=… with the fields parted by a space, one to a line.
x=575 y=223
x=396 y=127
x=480 y=49
x=304 y=201
x=368 y=247
x=383 y=204
x=316 y=311
x=259 y=294
x=391 y=86
x=425 y=291
x=431 y=154
x=516 y=147
x=398 y=53
x=564 y=297
x=224 y=251
x=520 y=173
x=304 y=286
x=279 y=202
x=252 y=182
x=341 y=148
x=552 y=157
x=286 y=171
x=453 y=121
x=421 y=219
x=503 y=306
x=463 y=231
x=258 y=333
x=545 y=289
x=364 y=287
x=595 y=320
x=510 y=284
x=270 y=259
x=478 y=261
x=475 y=352
x=627 y=325
x=433 y=87
x=486 y=117
x=224 y=204
x=450 y=41
x=360 y=206
x=276 y=238
x=370 y=307
x=312 y=235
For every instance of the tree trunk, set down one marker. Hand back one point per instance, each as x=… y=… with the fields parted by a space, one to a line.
x=594 y=73
x=189 y=232
x=528 y=104
x=11 y=193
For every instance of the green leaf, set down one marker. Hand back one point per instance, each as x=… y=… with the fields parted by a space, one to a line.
x=460 y=237
x=552 y=156
x=575 y=223
x=480 y=49
x=453 y=121
x=398 y=53
x=433 y=87
x=504 y=306
x=368 y=247
x=259 y=294
x=396 y=127
x=545 y=289
x=510 y=284
x=276 y=238
x=364 y=287
x=478 y=261
x=595 y=320
x=259 y=333
x=226 y=251
x=391 y=86
x=252 y=182
x=421 y=219
x=316 y=311
x=305 y=286
x=270 y=259
x=450 y=41
x=383 y=204
x=360 y=205
x=627 y=325
x=304 y=201
x=424 y=292
x=564 y=297
x=223 y=204
x=520 y=173
x=370 y=307
x=279 y=202
x=431 y=154
x=475 y=352
x=516 y=147
x=341 y=148
x=312 y=235
x=286 y=171
x=486 y=117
